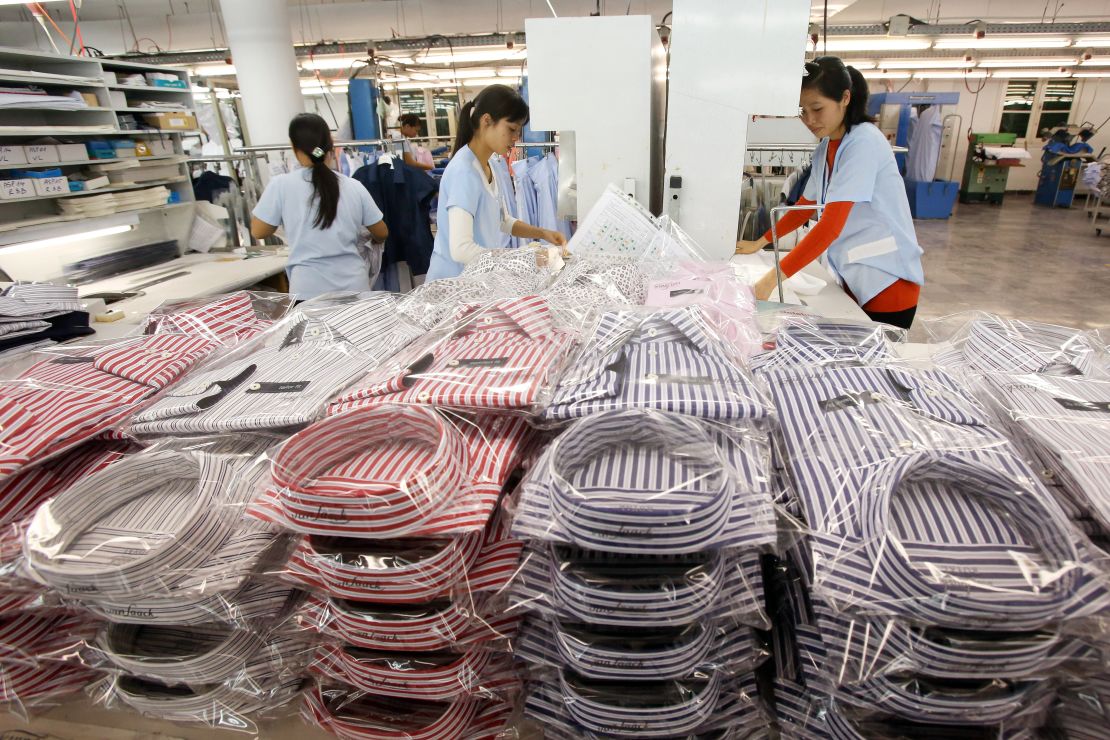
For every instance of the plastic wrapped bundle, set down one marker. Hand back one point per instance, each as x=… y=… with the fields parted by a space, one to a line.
x=227 y=319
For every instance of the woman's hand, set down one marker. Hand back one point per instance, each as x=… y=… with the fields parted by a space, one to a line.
x=749 y=246
x=553 y=237
x=766 y=285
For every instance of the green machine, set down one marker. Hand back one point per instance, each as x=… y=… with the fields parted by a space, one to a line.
x=985 y=177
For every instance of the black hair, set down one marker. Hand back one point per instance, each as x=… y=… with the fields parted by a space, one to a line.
x=387 y=100
x=831 y=78
x=409 y=119
x=500 y=101
x=310 y=135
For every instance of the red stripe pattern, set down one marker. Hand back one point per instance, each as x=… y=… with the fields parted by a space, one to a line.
x=75 y=395
x=501 y=356
x=227 y=319
x=382 y=472
x=434 y=676
x=351 y=717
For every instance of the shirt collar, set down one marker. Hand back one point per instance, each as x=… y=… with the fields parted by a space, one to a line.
x=1018 y=346
x=530 y=316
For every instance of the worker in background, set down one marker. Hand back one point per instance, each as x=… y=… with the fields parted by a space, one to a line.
x=470 y=217
x=410 y=129
x=326 y=216
x=866 y=228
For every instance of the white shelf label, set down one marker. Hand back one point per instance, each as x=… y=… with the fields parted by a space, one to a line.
x=12 y=155
x=10 y=189
x=42 y=153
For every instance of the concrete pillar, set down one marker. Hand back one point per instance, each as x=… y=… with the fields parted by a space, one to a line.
x=261 y=42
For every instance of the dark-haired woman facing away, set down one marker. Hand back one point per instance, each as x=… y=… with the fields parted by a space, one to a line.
x=326 y=216
x=470 y=218
x=866 y=226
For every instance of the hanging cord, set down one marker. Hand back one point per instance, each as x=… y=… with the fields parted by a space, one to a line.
x=982 y=86
x=825 y=32
x=41 y=14
x=80 y=39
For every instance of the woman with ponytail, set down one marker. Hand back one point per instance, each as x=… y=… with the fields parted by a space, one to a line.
x=470 y=218
x=865 y=230
x=326 y=216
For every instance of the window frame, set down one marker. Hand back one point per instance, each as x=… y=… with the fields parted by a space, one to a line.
x=1035 y=113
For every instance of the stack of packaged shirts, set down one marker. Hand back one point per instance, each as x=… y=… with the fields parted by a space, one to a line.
x=108 y=203
x=946 y=587
x=403 y=553
x=284 y=377
x=157 y=546
x=33 y=312
x=641 y=576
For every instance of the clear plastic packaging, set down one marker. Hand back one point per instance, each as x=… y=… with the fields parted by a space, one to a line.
x=408 y=571
x=24 y=687
x=285 y=377
x=357 y=715
x=985 y=343
x=1083 y=709
x=163 y=524
x=434 y=626
x=218 y=706
x=227 y=319
x=57 y=398
x=798 y=340
x=573 y=706
x=255 y=602
x=920 y=510
x=201 y=655
x=30 y=637
x=500 y=356
x=641 y=481
x=689 y=651
x=1064 y=425
x=389 y=471
x=638 y=590
x=671 y=359
x=434 y=676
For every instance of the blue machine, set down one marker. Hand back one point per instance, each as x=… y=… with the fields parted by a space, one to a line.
x=362 y=98
x=893 y=110
x=1061 y=162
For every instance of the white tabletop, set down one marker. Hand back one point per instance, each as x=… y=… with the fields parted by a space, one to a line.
x=831 y=301
x=204 y=274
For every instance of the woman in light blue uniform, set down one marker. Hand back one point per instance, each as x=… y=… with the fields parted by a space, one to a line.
x=865 y=231
x=326 y=216
x=470 y=217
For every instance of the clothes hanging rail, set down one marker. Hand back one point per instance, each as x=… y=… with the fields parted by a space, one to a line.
x=281 y=147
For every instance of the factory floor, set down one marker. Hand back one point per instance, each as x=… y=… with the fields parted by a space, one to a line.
x=1016 y=260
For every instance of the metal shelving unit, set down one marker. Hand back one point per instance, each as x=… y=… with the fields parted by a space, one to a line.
x=21 y=125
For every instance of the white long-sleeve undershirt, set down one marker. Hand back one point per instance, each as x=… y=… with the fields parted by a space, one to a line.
x=464 y=249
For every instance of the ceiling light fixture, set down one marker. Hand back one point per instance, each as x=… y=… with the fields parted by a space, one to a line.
x=1002 y=42
x=882 y=74
x=923 y=64
x=1014 y=63
x=877 y=43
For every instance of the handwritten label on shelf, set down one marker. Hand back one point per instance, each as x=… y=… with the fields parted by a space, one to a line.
x=12 y=155
x=10 y=189
x=41 y=153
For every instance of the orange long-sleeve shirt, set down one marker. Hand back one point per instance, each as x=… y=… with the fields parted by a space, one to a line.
x=898 y=296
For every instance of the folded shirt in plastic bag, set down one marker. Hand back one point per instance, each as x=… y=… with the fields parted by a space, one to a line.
x=686 y=651
x=667 y=359
x=405 y=571
x=435 y=676
x=985 y=343
x=388 y=471
x=1065 y=424
x=157 y=524
x=570 y=706
x=920 y=510
x=824 y=342
x=23 y=686
x=593 y=282
x=638 y=590
x=231 y=318
x=75 y=393
x=356 y=715
x=648 y=482
x=198 y=655
x=437 y=625
x=286 y=377
x=255 y=603
x=501 y=356
x=31 y=637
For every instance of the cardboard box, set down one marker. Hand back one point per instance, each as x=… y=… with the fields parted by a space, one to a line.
x=175 y=121
x=160 y=147
x=51 y=185
x=15 y=189
x=41 y=153
x=12 y=155
x=90 y=99
x=72 y=153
